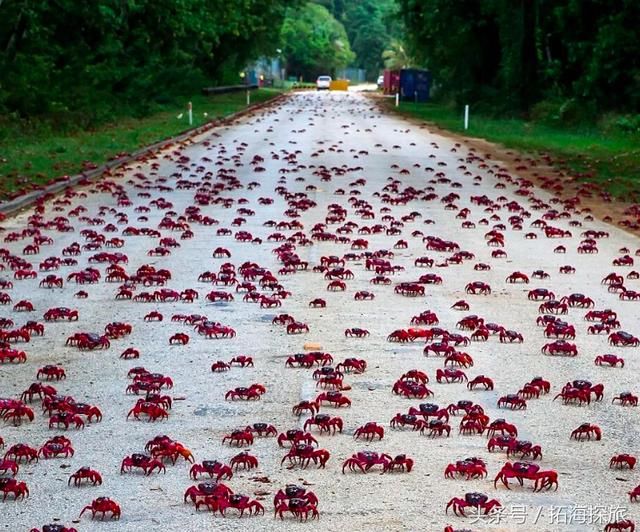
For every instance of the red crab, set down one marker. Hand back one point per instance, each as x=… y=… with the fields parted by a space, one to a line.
x=297 y=327
x=501 y=426
x=623 y=339
x=621 y=461
x=626 y=399
x=365 y=460
x=305 y=406
x=220 y=366
x=60 y=313
x=163 y=446
x=252 y=393
x=39 y=389
x=242 y=361
x=19 y=451
x=436 y=427
x=244 y=460
x=369 y=431
x=179 y=338
x=9 y=466
x=624 y=525
x=540 y=294
x=12 y=486
x=85 y=473
x=66 y=418
x=356 y=332
x=472 y=500
x=560 y=348
x=609 y=360
x=512 y=401
x=50 y=372
x=262 y=429
x=450 y=375
x=301 y=454
x=150 y=409
x=526 y=471
x=325 y=423
x=51 y=281
x=141 y=461
x=239 y=437
x=56 y=446
x=103 y=505
x=586 y=430
x=400 y=462
x=213 y=468
x=427 y=410
x=410 y=289
x=238 y=502
x=480 y=380
x=154 y=316
x=352 y=365
x=517 y=277
x=299 y=508
x=470 y=468
x=294 y=436
x=411 y=389
x=23 y=306
x=337 y=399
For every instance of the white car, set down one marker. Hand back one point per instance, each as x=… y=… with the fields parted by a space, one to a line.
x=380 y=82
x=323 y=83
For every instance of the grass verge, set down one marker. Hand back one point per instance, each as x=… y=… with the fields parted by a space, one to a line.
x=611 y=158
x=38 y=157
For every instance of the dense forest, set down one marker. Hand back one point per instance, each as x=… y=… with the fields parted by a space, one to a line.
x=570 y=60
x=85 y=61
x=103 y=56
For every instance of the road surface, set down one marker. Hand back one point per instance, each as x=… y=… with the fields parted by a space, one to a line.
x=346 y=135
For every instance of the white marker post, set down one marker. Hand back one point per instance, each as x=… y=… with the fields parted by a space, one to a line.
x=190 y=112
x=466 y=117
x=397 y=99
x=248 y=97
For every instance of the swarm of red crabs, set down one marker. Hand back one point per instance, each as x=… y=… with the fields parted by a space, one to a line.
x=446 y=392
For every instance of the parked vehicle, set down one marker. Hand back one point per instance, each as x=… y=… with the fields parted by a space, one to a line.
x=323 y=83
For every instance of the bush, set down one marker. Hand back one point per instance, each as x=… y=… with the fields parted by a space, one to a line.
x=564 y=112
x=628 y=123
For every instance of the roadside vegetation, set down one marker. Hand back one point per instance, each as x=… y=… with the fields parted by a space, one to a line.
x=37 y=155
x=606 y=152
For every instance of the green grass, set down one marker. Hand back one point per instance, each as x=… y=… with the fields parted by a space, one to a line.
x=611 y=158
x=38 y=156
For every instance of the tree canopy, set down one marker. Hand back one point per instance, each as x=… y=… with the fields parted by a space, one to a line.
x=514 y=53
x=371 y=25
x=74 y=54
x=314 y=42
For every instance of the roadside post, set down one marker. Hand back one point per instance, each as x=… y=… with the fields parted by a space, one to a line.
x=397 y=99
x=466 y=117
x=190 y=113
x=248 y=97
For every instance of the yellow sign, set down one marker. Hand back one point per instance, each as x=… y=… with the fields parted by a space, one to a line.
x=339 y=85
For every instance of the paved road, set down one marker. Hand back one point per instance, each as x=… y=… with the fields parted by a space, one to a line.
x=345 y=138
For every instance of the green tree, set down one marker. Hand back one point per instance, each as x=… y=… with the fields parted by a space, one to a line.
x=371 y=25
x=314 y=42
x=103 y=55
x=396 y=56
x=511 y=54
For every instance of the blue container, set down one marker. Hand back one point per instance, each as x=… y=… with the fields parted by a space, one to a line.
x=415 y=85
x=251 y=78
